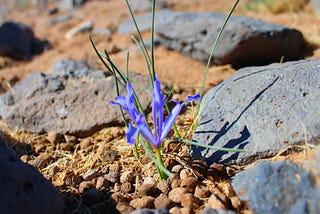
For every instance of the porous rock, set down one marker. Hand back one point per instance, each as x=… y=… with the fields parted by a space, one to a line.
x=244 y=41
x=72 y=99
x=262 y=110
x=143 y=22
x=18 y=41
x=278 y=187
x=23 y=187
x=145 y=5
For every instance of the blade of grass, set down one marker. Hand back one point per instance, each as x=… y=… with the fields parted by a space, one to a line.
x=205 y=146
x=211 y=54
x=152 y=40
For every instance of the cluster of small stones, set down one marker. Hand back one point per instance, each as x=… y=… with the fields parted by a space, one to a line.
x=193 y=186
x=183 y=192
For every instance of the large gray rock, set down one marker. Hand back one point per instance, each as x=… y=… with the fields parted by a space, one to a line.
x=145 y=5
x=17 y=41
x=316 y=6
x=261 y=109
x=72 y=101
x=245 y=41
x=144 y=21
x=278 y=187
x=24 y=189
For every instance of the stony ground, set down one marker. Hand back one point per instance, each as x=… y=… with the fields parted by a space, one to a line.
x=104 y=163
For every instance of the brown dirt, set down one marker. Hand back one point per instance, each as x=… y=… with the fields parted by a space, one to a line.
x=65 y=163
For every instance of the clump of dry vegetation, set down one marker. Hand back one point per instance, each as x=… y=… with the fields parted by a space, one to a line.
x=277 y=6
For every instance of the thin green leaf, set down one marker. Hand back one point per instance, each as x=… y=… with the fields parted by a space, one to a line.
x=205 y=146
x=211 y=54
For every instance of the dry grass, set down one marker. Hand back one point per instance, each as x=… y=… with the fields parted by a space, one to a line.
x=277 y=6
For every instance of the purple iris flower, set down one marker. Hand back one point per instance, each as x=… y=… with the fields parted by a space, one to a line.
x=161 y=128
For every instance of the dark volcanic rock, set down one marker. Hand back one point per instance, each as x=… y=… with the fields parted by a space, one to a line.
x=245 y=41
x=72 y=99
x=278 y=187
x=24 y=189
x=144 y=21
x=261 y=109
x=18 y=42
x=145 y=5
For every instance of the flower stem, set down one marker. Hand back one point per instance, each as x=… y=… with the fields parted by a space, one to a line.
x=163 y=175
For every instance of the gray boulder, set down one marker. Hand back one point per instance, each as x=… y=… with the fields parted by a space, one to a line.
x=261 y=109
x=24 y=189
x=278 y=187
x=72 y=99
x=144 y=21
x=316 y=6
x=18 y=42
x=245 y=41
x=145 y=5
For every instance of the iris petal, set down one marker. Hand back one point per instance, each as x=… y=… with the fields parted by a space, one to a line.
x=131 y=134
x=174 y=114
x=145 y=131
x=157 y=109
x=170 y=120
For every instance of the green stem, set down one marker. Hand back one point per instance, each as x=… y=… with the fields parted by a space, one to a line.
x=163 y=176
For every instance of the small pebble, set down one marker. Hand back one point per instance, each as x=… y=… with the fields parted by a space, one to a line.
x=175 y=210
x=85 y=185
x=146 y=189
x=189 y=201
x=124 y=208
x=144 y=202
x=189 y=183
x=55 y=138
x=218 y=201
x=163 y=186
x=90 y=174
x=175 y=194
x=184 y=173
x=85 y=143
x=127 y=176
x=162 y=201
x=177 y=168
x=113 y=177
x=186 y=210
x=149 y=180
x=115 y=168
x=102 y=183
x=118 y=197
x=175 y=183
x=201 y=192
x=72 y=179
x=41 y=161
x=126 y=187
x=71 y=139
